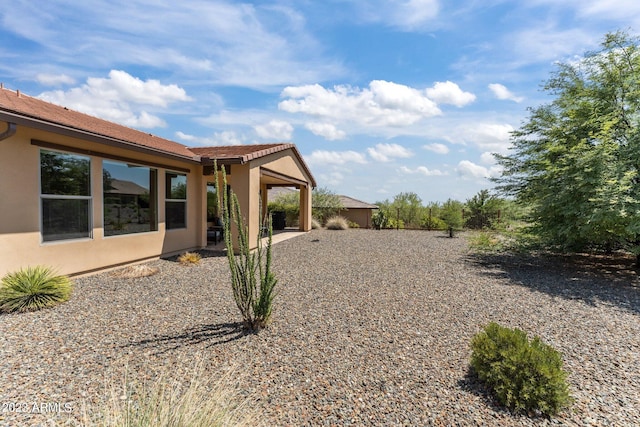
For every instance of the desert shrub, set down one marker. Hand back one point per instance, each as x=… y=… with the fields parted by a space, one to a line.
x=433 y=223
x=525 y=375
x=337 y=223
x=33 y=288
x=379 y=220
x=353 y=224
x=315 y=224
x=135 y=271
x=189 y=258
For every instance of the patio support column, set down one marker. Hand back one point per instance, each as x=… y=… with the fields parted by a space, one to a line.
x=245 y=183
x=305 y=208
x=264 y=201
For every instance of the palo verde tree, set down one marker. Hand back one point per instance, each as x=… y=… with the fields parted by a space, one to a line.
x=576 y=160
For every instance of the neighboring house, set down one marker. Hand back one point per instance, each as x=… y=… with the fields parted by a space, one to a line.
x=357 y=211
x=354 y=210
x=81 y=194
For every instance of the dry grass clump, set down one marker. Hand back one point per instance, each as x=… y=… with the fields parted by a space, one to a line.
x=337 y=223
x=197 y=401
x=189 y=258
x=315 y=224
x=134 y=271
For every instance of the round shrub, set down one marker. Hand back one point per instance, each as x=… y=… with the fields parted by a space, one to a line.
x=524 y=375
x=33 y=288
x=337 y=223
x=315 y=224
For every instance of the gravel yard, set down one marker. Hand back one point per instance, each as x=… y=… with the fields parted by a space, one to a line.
x=370 y=328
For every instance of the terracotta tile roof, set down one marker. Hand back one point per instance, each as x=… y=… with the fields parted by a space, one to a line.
x=245 y=153
x=37 y=110
x=242 y=153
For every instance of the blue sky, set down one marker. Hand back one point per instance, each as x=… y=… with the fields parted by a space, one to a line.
x=380 y=97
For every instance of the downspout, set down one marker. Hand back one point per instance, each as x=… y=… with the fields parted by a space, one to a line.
x=11 y=130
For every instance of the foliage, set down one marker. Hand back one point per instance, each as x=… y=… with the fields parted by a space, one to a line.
x=33 y=288
x=406 y=207
x=325 y=204
x=482 y=211
x=433 y=223
x=189 y=258
x=379 y=220
x=451 y=213
x=524 y=375
x=576 y=160
x=167 y=402
x=252 y=281
x=315 y=224
x=487 y=241
x=337 y=223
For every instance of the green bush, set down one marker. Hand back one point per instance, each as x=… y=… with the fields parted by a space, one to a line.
x=525 y=375
x=33 y=288
x=337 y=223
x=379 y=220
x=433 y=223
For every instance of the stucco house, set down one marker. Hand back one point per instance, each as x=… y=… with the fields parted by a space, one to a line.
x=81 y=194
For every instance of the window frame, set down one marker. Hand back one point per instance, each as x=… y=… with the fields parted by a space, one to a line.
x=154 y=173
x=168 y=199
x=46 y=196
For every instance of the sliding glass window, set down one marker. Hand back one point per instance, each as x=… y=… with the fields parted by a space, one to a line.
x=130 y=198
x=65 y=196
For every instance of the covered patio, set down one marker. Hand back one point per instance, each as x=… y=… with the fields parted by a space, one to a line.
x=251 y=171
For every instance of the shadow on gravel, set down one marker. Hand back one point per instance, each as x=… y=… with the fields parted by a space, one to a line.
x=471 y=384
x=211 y=335
x=589 y=278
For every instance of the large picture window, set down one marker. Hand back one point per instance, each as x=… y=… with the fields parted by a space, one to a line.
x=129 y=198
x=65 y=195
x=175 y=200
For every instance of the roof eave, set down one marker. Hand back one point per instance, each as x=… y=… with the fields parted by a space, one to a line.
x=60 y=129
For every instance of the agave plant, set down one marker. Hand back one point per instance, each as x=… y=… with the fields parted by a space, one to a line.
x=33 y=288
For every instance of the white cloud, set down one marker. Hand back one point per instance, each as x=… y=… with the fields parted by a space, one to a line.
x=437 y=148
x=275 y=129
x=218 y=138
x=54 y=79
x=468 y=169
x=450 y=93
x=331 y=178
x=423 y=170
x=335 y=157
x=487 y=158
x=121 y=98
x=386 y=152
x=326 y=130
x=382 y=104
x=501 y=92
x=406 y=15
x=492 y=137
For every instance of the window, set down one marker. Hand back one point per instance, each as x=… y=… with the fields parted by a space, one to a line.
x=65 y=196
x=130 y=197
x=176 y=200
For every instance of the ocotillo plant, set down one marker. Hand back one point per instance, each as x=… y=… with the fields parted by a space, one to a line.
x=252 y=280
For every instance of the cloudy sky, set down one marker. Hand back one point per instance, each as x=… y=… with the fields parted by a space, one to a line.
x=379 y=96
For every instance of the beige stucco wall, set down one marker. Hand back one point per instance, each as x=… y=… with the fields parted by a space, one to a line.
x=362 y=217
x=20 y=239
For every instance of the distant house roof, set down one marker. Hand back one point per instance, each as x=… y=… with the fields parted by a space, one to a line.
x=16 y=107
x=347 y=202
x=119 y=186
x=351 y=203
